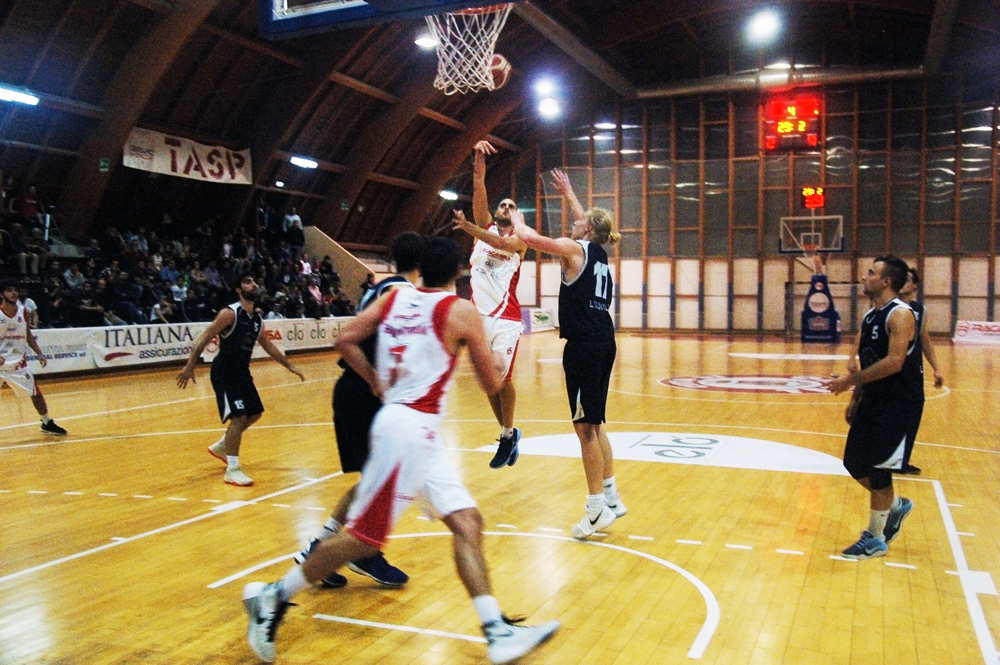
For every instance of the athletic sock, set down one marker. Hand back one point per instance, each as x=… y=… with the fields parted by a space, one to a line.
x=896 y=503
x=487 y=608
x=596 y=503
x=331 y=528
x=45 y=419
x=876 y=523
x=506 y=432
x=293 y=582
x=610 y=489
x=233 y=461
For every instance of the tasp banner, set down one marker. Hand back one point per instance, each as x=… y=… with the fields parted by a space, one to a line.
x=147 y=150
x=977 y=332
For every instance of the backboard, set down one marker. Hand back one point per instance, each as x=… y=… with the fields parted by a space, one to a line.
x=280 y=19
x=818 y=233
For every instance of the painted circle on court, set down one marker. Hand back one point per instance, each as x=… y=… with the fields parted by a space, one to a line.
x=753 y=383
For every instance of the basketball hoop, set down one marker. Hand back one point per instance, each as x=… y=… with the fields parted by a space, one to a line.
x=466 y=40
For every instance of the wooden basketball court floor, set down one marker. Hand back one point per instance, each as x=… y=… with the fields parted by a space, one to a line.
x=121 y=544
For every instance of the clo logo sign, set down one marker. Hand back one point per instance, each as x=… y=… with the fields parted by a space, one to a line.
x=301 y=332
x=787 y=385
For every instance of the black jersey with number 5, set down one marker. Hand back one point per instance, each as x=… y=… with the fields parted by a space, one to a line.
x=584 y=302
x=907 y=384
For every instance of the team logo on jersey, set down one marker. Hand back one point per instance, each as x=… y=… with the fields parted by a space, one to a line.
x=787 y=385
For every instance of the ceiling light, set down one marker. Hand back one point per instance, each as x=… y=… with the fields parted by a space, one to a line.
x=14 y=95
x=304 y=162
x=605 y=125
x=545 y=87
x=448 y=195
x=763 y=27
x=549 y=108
x=425 y=41
x=279 y=183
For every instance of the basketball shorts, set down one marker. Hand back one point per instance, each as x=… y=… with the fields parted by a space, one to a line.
x=19 y=378
x=502 y=335
x=878 y=435
x=354 y=409
x=408 y=462
x=588 y=374
x=236 y=395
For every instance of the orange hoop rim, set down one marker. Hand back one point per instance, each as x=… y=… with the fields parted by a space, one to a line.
x=809 y=249
x=480 y=10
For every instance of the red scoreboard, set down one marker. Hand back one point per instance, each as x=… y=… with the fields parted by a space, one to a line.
x=792 y=121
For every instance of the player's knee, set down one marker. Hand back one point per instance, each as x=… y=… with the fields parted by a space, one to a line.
x=880 y=479
x=465 y=524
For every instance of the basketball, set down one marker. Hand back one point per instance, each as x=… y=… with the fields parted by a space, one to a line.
x=500 y=69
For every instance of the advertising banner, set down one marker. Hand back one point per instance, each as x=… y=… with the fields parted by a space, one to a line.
x=119 y=346
x=977 y=332
x=147 y=150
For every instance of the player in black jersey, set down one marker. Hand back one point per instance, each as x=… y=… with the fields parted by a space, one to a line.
x=354 y=409
x=908 y=294
x=886 y=404
x=585 y=323
x=238 y=327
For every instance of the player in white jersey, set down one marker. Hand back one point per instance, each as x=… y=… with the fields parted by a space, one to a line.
x=15 y=340
x=494 y=269
x=420 y=333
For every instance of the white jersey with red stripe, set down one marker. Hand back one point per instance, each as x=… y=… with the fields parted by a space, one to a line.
x=410 y=356
x=14 y=340
x=494 y=274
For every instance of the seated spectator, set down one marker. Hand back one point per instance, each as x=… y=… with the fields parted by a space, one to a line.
x=212 y=277
x=54 y=269
x=134 y=254
x=178 y=291
x=93 y=250
x=30 y=307
x=105 y=297
x=36 y=245
x=113 y=244
x=85 y=311
x=110 y=272
x=128 y=297
x=31 y=207
x=72 y=277
x=90 y=269
x=163 y=311
x=196 y=274
x=277 y=310
x=194 y=308
x=56 y=304
x=21 y=250
x=170 y=273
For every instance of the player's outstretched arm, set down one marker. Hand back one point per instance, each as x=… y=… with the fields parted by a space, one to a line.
x=561 y=183
x=506 y=243
x=225 y=319
x=277 y=354
x=480 y=202
x=465 y=327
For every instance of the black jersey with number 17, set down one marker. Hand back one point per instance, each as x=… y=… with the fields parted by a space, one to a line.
x=584 y=302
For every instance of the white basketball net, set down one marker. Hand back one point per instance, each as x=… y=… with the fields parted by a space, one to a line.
x=465 y=47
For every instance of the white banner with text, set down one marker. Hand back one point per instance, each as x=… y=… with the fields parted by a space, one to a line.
x=977 y=332
x=86 y=349
x=147 y=150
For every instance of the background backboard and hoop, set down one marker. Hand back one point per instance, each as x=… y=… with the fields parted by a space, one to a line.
x=279 y=19
x=811 y=237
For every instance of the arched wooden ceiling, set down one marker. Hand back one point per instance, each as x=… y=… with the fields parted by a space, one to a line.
x=360 y=101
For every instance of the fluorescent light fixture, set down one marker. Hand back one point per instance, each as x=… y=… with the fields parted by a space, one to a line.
x=545 y=87
x=549 y=108
x=605 y=125
x=426 y=42
x=448 y=195
x=12 y=95
x=304 y=162
x=279 y=183
x=763 y=27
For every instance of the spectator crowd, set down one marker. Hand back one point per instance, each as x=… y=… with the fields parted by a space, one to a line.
x=134 y=276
